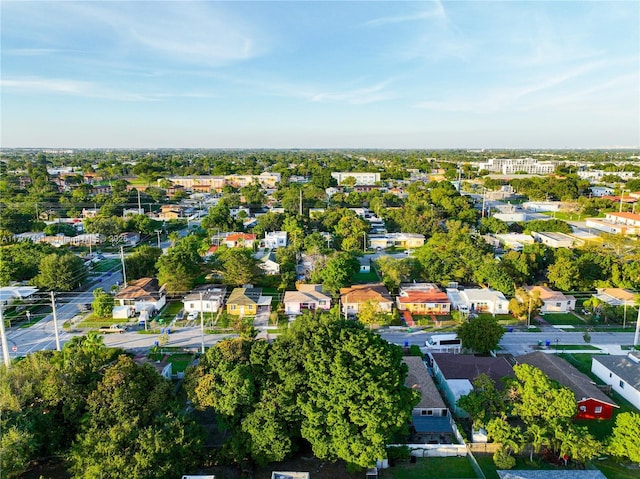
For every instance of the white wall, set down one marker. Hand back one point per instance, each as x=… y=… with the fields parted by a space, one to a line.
x=627 y=392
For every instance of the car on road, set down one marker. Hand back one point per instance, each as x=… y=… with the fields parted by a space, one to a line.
x=193 y=315
x=113 y=328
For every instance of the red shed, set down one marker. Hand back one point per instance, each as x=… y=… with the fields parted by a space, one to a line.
x=592 y=402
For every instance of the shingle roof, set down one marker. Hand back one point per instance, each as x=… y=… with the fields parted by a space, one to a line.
x=424 y=297
x=143 y=289
x=566 y=375
x=624 y=367
x=245 y=296
x=420 y=379
x=469 y=366
x=361 y=293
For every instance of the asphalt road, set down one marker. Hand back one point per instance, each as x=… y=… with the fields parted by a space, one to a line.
x=518 y=343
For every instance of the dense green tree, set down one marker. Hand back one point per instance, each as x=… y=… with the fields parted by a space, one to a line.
x=525 y=304
x=179 y=268
x=61 y=229
x=21 y=261
x=480 y=334
x=625 y=439
x=395 y=271
x=484 y=401
x=105 y=225
x=495 y=276
x=60 y=272
x=102 y=304
x=238 y=266
x=493 y=225
x=142 y=262
x=564 y=273
x=337 y=271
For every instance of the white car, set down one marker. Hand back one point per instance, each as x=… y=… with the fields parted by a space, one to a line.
x=192 y=315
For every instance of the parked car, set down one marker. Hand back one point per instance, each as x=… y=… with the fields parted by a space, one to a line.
x=114 y=328
x=179 y=316
x=192 y=316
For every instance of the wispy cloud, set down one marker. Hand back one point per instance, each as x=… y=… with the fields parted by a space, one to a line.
x=522 y=97
x=34 y=52
x=436 y=11
x=358 y=96
x=87 y=89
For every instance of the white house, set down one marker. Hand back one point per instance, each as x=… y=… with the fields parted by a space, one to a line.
x=552 y=301
x=143 y=294
x=514 y=241
x=478 y=300
x=308 y=296
x=212 y=298
x=275 y=239
x=9 y=294
x=622 y=373
x=268 y=264
x=362 y=178
x=553 y=239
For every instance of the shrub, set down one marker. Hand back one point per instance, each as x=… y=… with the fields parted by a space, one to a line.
x=503 y=460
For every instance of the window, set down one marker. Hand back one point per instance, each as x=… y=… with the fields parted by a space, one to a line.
x=598 y=409
x=610 y=374
x=583 y=408
x=429 y=412
x=233 y=307
x=558 y=305
x=621 y=384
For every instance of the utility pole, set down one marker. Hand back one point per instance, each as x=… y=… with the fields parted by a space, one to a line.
x=201 y=324
x=637 y=335
x=621 y=196
x=140 y=212
x=55 y=321
x=124 y=271
x=484 y=195
x=364 y=242
x=529 y=316
x=158 y=233
x=5 y=346
x=300 y=201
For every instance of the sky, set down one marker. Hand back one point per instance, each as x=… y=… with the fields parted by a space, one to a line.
x=307 y=74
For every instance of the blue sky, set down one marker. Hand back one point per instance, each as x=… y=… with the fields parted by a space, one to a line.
x=430 y=74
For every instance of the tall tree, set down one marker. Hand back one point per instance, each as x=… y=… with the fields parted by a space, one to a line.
x=61 y=272
x=625 y=439
x=480 y=334
x=102 y=304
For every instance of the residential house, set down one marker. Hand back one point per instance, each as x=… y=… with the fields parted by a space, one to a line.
x=553 y=239
x=396 y=240
x=455 y=374
x=33 y=236
x=144 y=294
x=514 y=241
x=621 y=222
x=616 y=296
x=248 y=301
x=592 y=402
x=622 y=373
x=239 y=240
x=600 y=224
x=289 y=475
x=478 y=300
x=307 y=297
x=207 y=298
x=423 y=298
x=9 y=294
x=129 y=238
x=90 y=212
x=275 y=239
x=268 y=264
x=354 y=297
x=552 y=301
x=431 y=421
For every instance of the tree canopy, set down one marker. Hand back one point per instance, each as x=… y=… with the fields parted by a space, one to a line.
x=480 y=334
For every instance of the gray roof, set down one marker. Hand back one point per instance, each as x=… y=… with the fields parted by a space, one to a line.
x=564 y=373
x=419 y=378
x=624 y=367
x=469 y=366
x=552 y=474
x=210 y=292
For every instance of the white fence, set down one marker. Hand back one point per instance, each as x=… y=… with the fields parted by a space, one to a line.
x=435 y=450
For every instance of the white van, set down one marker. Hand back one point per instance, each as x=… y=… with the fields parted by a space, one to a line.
x=444 y=343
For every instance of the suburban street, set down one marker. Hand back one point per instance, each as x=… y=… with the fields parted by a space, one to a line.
x=518 y=343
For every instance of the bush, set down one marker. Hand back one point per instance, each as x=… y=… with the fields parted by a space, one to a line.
x=399 y=453
x=414 y=350
x=503 y=460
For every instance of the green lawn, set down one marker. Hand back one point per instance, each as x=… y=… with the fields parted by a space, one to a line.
x=613 y=470
x=485 y=461
x=180 y=361
x=432 y=468
x=574 y=347
x=105 y=265
x=562 y=318
x=363 y=278
x=169 y=311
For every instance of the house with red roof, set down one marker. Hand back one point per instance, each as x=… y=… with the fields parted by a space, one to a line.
x=240 y=240
x=423 y=298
